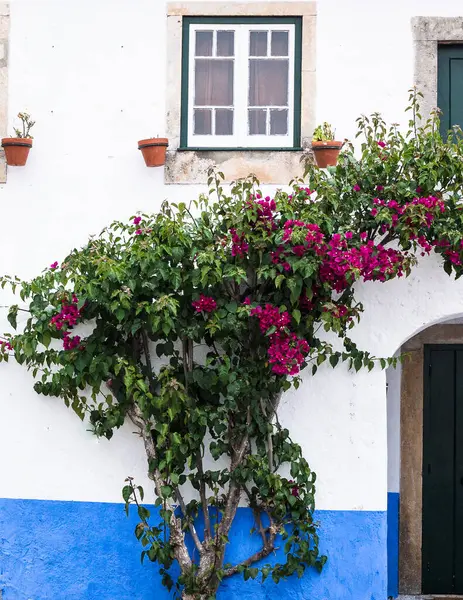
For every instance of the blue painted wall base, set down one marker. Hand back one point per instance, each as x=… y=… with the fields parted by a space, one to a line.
x=87 y=551
x=393 y=544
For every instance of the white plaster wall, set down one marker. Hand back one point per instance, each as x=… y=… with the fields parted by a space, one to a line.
x=92 y=74
x=393 y=379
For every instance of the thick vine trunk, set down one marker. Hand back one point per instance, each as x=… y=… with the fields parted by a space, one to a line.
x=195 y=596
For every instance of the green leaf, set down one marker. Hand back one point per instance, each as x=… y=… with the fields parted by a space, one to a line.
x=46 y=338
x=126 y=492
x=166 y=491
x=174 y=478
x=13 y=316
x=334 y=359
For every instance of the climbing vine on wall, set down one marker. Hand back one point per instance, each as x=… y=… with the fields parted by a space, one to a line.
x=191 y=323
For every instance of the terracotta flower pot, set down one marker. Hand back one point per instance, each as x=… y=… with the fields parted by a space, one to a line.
x=326 y=153
x=154 y=151
x=16 y=150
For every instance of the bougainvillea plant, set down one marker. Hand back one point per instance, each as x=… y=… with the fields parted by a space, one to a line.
x=192 y=323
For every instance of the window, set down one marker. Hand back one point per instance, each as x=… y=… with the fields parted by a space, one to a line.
x=450 y=86
x=241 y=82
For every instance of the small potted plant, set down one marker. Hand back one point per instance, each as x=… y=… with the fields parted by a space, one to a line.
x=17 y=148
x=154 y=151
x=325 y=148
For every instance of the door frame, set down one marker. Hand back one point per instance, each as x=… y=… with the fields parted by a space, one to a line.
x=411 y=451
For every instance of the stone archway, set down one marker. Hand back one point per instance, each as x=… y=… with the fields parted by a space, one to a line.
x=411 y=450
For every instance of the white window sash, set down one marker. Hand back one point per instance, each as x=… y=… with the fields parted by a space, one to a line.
x=240 y=137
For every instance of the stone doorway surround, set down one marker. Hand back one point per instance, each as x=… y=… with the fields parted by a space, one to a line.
x=428 y=33
x=411 y=456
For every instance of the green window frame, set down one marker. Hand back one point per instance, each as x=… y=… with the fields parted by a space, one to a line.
x=257 y=21
x=450 y=86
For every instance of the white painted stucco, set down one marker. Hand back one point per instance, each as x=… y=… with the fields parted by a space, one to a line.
x=92 y=75
x=393 y=379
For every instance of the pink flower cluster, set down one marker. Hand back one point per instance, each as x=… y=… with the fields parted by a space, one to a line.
x=270 y=316
x=266 y=208
x=294 y=488
x=4 y=345
x=430 y=203
x=370 y=261
x=286 y=351
x=239 y=245
x=452 y=255
x=204 y=304
x=313 y=240
x=278 y=258
x=71 y=342
x=340 y=311
x=314 y=235
x=65 y=320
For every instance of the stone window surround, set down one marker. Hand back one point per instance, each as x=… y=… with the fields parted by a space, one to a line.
x=270 y=166
x=4 y=32
x=428 y=33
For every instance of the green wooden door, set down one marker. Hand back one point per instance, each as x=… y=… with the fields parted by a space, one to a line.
x=450 y=86
x=442 y=547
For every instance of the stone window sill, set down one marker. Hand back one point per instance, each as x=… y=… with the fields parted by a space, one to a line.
x=270 y=166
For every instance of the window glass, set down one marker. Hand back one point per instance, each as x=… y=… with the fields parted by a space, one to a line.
x=268 y=82
x=213 y=82
x=225 y=43
x=280 y=43
x=257 y=121
x=204 y=43
x=258 y=43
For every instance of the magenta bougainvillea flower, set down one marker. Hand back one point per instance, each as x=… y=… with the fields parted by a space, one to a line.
x=204 y=304
x=286 y=351
x=239 y=245
x=66 y=320
x=137 y=220
x=54 y=265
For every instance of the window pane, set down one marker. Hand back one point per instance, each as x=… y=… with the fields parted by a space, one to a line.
x=278 y=122
x=225 y=43
x=214 y=82
x=258 y=43
x=268 y=82
x=223 y=121
x=279 y=43
x=204 y=43
x=258 y=122
x=203 y=121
